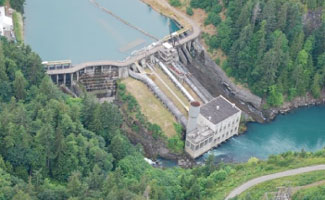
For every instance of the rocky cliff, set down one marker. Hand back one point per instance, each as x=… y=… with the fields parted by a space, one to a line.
x=214 y=79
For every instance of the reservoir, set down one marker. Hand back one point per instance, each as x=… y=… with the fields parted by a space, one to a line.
x=303 y=128
x=77 y=30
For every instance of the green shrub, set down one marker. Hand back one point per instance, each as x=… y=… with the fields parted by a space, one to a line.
x=175 y=3
x=217 y=61
x=217 y=8
x=176 y=144
x=219 y=175
x=189 y=11
x=213 y=18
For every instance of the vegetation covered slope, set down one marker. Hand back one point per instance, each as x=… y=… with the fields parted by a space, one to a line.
x=313 y=193
x=56 y=147
x=269 y=189
x=276 y=47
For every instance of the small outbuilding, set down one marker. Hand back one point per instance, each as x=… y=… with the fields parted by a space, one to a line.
x=6 y=24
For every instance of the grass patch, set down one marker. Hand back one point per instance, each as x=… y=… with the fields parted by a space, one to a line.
x=151 y=107
x=312 y=193
x=18 y=26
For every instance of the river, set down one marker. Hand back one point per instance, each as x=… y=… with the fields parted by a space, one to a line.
x=79 y=31
x=303 y=128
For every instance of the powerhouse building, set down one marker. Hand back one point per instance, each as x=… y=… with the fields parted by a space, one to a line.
x=210 y=124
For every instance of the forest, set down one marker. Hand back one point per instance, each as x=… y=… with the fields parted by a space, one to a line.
x=274 y=47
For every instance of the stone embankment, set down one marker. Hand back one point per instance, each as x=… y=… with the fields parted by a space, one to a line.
x=307 y=100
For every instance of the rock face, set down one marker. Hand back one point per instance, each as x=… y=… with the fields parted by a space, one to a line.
x=214 y=79
x=307 y=100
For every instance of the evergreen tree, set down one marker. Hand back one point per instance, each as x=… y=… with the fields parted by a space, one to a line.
x=20 y=85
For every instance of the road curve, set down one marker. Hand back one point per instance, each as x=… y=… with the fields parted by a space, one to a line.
x=269 y=177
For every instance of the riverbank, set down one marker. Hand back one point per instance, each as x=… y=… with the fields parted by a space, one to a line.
x=296 y=103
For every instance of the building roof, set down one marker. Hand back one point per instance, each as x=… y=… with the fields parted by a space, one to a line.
x=167 y=45
x=218 y=109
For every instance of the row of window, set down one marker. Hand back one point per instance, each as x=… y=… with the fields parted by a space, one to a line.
x=202 y=144
x=224 y=127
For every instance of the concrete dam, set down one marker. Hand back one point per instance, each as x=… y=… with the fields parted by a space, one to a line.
x=100 y=77
x=166 y=60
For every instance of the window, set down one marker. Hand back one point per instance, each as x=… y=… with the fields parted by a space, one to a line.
x=237 y=119
x=210 y=139
x=218 y=138
x=201 y=144
x=228 y=125
x=192 y=147
x=196 y=147
x=205 y=142
x=187 y=144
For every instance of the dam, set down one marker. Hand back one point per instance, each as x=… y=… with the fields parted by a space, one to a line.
x=100 y=77
x=96 y=54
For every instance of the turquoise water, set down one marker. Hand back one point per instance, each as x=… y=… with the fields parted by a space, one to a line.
x=79 y=31
x=303 y=128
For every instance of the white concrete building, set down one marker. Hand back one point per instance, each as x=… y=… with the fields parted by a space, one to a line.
x=210 y=125
x=168 y=53
x=6 y=24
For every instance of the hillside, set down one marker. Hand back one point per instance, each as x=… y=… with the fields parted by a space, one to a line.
x=274 y=47
x=53 y=146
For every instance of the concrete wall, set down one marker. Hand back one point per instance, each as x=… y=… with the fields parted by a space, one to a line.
x=226 y=129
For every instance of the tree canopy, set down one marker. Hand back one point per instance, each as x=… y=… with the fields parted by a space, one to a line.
x=271 y=45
